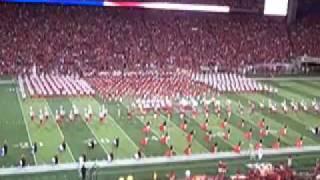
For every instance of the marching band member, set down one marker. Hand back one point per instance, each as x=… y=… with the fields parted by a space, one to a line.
x=90 y=112
x=224 y=124
x=241 y=124
x=163 y=126
x=184 y=125
x=31 y=113
x=144 y=141
x=22 y=162
x=276 y=145
x=227 y=134
x=259 y=145
x=299 y=142
x=229 y=108
x=170 y=152
x=252 y=107
x=264 y=132
x=62 y=146
x=214 y=148
x=190 y=136
x=284 y=106
x=41 y=117
x=240 y=107
x=76 y=111
x=147 y=128
x=164 y=139
x=91 y=144
x=34 y=148
x=104 y=111
x=304 y=106
x=62 y=112
x=208 y=137
x=204 y=125
x=87 y=116
x=116 y=142
x=188 y=150
x=46 y=113
x=58 y=117
x=71 y=116
x=138 y=155
x=248 y=135
x=181 y=115
x=218 y=108
x=262 y=105
x=55 y=160
x=101 y=116
x=283 y=131
x=262 y=123
x=237 y=148
x=129 y=114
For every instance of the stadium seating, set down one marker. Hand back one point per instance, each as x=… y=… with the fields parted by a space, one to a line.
x=90 y=40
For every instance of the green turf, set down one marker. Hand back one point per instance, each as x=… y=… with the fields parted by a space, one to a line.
x=15 y=121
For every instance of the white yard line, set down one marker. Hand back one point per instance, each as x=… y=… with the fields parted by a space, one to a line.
x=26 y=124
x=94 y=134
x=61 y=133
x=123 y=132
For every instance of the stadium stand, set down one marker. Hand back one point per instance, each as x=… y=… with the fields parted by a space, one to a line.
x=91 y=40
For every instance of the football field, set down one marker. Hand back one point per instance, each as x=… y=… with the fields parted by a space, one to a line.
x=17 y=129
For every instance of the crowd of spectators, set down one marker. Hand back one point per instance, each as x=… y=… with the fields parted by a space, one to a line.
x=69 y=39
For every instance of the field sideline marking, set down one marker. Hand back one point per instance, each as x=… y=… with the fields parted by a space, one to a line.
x=125 y=134
x=60 y=132
x=26 y=124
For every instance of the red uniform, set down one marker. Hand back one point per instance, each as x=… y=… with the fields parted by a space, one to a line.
x=264 y=132
x=227 y=135
x=237 y=148
x=299 y=143
x=261 y=124
x=190 y=137
x=164 y=139
x=248 y=135
x=169 y=153
x=163 y=127
x=258 y=146
x=224 y=124
x=204 y=126
x=214 y=148
x=184 y=126
x=144 y=141
x=283 y=131
x=188 y=151
x=208 y=137
x=241 y=124
x=276 y=145
x=146 y=129
x=207 y=113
